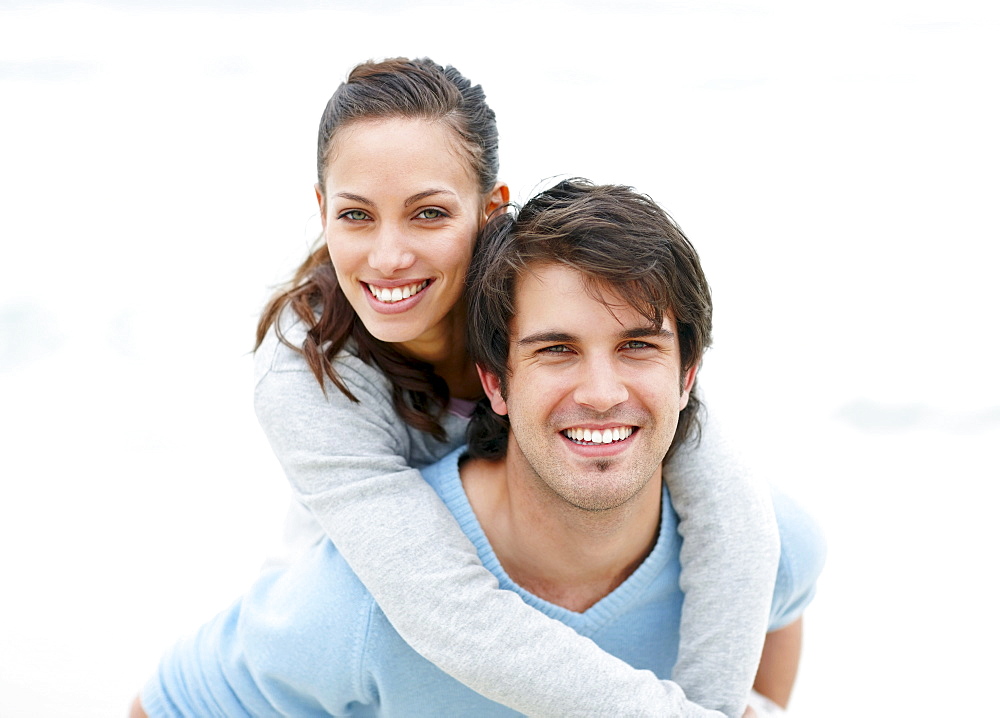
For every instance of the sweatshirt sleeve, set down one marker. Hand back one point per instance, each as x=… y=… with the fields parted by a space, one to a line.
x=348 y=463
x=729 y=559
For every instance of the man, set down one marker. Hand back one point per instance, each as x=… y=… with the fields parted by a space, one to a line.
x=560 y=487
x=581 y=314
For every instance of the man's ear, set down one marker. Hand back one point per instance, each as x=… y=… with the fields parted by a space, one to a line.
x=498 y=198
x=689 y=376
x=491 y=385
x=322 y=204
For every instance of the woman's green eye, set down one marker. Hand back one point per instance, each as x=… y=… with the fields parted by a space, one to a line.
x=431 y=214
x=355 y=214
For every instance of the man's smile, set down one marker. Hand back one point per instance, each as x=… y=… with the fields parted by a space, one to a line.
x=596 y=437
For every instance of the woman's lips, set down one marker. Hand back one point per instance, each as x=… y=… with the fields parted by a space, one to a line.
x=400 y=296
x=397 y=293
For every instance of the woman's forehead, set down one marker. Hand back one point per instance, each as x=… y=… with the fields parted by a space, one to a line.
x=419 y=151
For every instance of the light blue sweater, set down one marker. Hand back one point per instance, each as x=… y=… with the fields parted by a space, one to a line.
x=354 y=471
x=309 y=640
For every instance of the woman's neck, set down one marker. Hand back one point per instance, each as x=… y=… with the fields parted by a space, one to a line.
x=461 y=378
x=444 y=348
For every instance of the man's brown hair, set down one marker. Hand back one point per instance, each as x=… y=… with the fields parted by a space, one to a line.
x=619 y=240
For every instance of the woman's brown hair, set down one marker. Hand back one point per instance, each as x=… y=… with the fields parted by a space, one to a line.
x=397 y=88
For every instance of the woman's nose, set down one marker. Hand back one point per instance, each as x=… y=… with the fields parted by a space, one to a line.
x=390 y=252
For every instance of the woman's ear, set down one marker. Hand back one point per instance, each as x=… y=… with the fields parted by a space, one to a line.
x=498 y=198
x=491 y=385
x=322 y=204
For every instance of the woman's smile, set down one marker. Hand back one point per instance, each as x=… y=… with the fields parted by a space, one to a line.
x=398 y=299
x=391 y=295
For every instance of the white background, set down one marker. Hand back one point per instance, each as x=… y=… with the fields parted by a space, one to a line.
x=835 y=163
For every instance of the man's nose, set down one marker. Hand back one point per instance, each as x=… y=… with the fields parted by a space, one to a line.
x=600 y=385
x=390 y=252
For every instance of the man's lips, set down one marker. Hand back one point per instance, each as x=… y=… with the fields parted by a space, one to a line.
x=598 y=436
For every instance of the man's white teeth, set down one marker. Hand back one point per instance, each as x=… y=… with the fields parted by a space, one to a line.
x=598 y=436
x=396 y=294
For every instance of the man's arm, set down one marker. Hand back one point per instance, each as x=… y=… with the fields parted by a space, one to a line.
x=137 y=711
x=779 y=663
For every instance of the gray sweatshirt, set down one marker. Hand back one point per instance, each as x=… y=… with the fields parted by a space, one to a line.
x=354 y=467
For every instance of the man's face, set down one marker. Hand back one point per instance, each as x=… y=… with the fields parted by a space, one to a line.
x=593 y=394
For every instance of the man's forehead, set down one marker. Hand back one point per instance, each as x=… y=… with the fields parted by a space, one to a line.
x=558 y=297
x=562 y=280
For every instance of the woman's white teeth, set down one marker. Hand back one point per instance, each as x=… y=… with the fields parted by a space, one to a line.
x=598 y=436
x=396 y=294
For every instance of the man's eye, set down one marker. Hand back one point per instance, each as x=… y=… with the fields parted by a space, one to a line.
x=635 y=344
x=555 y=349
x=431 y=213
x=355 y=215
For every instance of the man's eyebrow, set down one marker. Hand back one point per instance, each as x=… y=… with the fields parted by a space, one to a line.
x=544 y=337
x=426 y=193
x=552 y=336
x=650 y=331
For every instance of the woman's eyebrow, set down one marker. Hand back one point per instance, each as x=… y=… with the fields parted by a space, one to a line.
x=355 y=198
x=409 y=200
x=426 y=193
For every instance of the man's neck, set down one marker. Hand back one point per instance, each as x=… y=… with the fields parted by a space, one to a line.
x=565 y=555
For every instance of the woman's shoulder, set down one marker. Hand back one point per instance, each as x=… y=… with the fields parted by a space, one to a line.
x=280 y=352
x=299 y=414
x=286 y=386
x=285 y=383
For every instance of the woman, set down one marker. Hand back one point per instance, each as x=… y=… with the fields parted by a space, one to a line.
x=407 y=175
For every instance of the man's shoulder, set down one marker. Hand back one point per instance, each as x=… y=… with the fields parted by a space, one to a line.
x=305 y=596
x=803 y=554
x=304 y=625
x=444 y=475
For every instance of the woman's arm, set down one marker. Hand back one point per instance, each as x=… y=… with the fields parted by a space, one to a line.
x=729 y=560
x=348 y=463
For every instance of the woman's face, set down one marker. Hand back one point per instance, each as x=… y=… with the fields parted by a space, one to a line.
x=401 y=209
